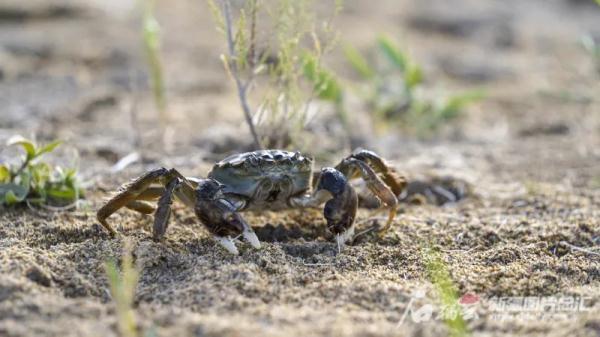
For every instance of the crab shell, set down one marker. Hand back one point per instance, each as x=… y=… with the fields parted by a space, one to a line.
x=265 y=179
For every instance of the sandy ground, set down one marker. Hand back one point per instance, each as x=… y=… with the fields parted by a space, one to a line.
x=73 y=69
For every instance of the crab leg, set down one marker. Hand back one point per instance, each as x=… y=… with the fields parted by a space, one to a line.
x=127 y=194
x=390 y=177
x=350 y=166
x=140 y=206
x=141 y=188
x=163 y=211
x=150 y=194
x=309 y=201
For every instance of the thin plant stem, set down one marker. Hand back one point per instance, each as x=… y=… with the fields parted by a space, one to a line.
x=242 y=89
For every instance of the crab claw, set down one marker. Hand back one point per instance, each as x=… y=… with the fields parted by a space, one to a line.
x=344 y=237
x=340 y=210
x=227 y=243
x=251 y=237
x=247 y=231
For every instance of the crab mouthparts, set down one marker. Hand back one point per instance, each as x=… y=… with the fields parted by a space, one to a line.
x=273 y=194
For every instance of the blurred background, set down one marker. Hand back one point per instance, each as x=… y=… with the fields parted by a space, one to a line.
x=80 y=71
x=495 y=100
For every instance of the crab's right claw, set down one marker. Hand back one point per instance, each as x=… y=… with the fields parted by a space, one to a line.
x=344 y=237
x=340 y=210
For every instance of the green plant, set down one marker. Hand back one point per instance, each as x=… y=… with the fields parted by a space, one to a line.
x=122 y=290
x=394 y=89
x=151 y=40
x=35 y=181
x=593 y=48
x=326 y=86
x=427 y=116
x=278 y=68
x=445 y=289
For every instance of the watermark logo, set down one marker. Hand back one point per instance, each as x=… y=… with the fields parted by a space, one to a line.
x=538 y=307
x=469 y=306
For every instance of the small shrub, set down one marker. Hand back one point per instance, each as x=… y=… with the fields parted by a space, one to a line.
x=35 y=181
x=326 y=87
x=285 y=65
x=394 y=89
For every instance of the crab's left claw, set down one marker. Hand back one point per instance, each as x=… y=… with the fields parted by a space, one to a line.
x=220 y=216
x=235 y=223
x=252 y=239
x=249 y=235
x=234 y=220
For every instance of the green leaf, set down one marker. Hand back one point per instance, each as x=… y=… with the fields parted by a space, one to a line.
x=62 y=192
x=393 y=52
x=48 y=148
x=457 y=103
x=27 y=145
x=151 y=30
x=70 y=178
x=413 y=76
x=11 y=194
x=310 y=67
x=324 y=82
x=40 y=173
x=358 y=62
x=4 y=173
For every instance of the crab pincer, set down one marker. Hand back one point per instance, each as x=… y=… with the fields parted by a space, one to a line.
x=221 y=218
x=340 y=210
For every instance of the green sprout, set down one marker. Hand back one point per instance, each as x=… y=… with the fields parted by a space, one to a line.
x=425 y=116
x=593 y=48
x=326 y=86
x=35 y=181
x=439 y=276
x=122 y=290
x=394 y=89
x=151 y=39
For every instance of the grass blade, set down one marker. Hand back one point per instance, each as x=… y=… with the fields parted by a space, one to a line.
x=393 y=53
x=122 y=289
x=439 y=276
x=358 y=62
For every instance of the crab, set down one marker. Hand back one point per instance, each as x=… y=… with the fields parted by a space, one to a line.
x=257 y=181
